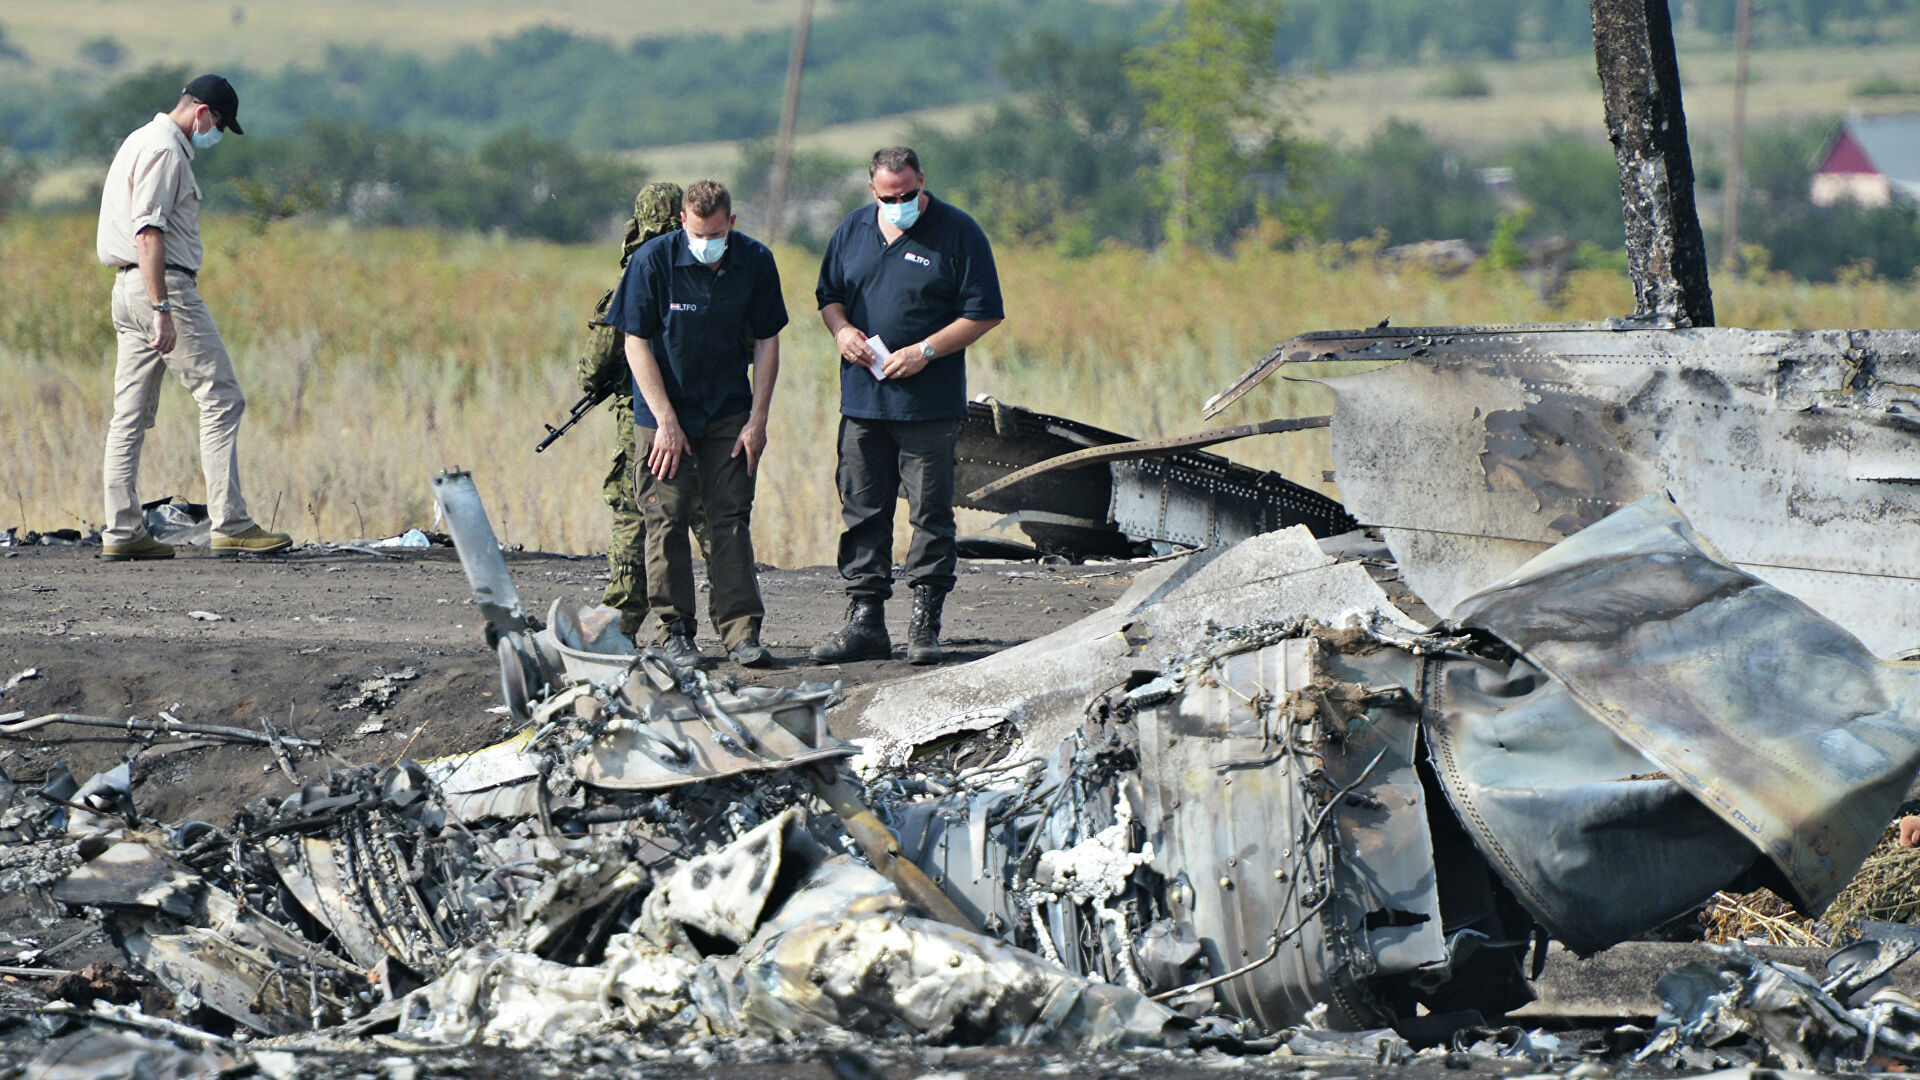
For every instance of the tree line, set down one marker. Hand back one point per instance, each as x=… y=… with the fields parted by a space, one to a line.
x=597 y=93
x=1172 y=133
x=1334 y=34
x=1080 y=161
x=866 y=59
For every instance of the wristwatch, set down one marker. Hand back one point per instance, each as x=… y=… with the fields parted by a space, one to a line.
x=163 y=306
x=926 y=350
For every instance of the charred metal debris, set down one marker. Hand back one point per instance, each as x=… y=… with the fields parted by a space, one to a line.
x=1326 y=787
x=1346 y=832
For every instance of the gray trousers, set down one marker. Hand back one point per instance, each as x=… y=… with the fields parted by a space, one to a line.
x=878 y=460
x=199 y=360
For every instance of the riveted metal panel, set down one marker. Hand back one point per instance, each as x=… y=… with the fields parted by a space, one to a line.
x=1793 y=449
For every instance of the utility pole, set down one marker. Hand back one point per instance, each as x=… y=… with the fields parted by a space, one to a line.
x=1742 y=34
x=1640 y=82
x=789 y=115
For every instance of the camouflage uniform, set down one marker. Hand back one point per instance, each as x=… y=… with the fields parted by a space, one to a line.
x=603 y=366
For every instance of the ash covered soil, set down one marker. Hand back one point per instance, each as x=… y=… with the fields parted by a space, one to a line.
x=298 y=640
x=298 y=635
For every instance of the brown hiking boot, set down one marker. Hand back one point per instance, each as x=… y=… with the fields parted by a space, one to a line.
x=146 y=547
x=253 y=541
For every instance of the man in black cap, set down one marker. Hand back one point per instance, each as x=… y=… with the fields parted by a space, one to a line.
x=150 y=234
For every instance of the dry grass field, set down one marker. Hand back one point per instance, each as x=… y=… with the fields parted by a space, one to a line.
x=372 y=359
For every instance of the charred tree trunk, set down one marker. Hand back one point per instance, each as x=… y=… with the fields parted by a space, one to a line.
x=1640 y=80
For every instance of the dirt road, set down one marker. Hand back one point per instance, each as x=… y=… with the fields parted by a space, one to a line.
x=298 y=635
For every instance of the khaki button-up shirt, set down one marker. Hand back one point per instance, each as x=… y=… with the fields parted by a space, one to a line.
x=151 y=184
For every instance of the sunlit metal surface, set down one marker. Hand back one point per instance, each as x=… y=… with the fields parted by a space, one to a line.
x=1798 y=451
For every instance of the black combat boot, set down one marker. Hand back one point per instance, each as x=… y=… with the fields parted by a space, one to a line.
x=923 y=632
x=863 y=638
x=679 y=646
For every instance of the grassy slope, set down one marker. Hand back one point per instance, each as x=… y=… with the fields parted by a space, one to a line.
x=1345 y=106
x=269 y=33
x=721 y=160
x=1787 y=84
x=1528 y=98
x=372 y=359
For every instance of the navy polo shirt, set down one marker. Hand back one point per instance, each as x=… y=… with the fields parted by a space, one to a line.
x=701 y=323
x=939 y=270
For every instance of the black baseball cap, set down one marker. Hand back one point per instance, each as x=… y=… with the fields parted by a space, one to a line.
x=218 y=95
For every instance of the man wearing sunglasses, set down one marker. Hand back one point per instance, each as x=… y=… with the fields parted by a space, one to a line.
x=150 y=234
x=916 y=276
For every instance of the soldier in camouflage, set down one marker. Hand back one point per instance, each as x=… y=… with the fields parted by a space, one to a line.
x=603 y=366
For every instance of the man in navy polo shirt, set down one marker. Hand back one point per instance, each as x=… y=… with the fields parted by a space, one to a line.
x=906 y=285
x=698 y=307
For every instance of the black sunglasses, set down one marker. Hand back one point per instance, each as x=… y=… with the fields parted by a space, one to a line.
x=897 y=199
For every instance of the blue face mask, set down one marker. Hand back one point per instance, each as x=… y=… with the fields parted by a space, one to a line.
x=707 y=251
x=208 y=140
x=901 y=215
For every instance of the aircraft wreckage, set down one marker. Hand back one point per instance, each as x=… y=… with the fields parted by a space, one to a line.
x=1236 y=834
x=1610 y=618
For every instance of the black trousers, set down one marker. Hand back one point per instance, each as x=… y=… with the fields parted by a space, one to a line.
x=878 y=459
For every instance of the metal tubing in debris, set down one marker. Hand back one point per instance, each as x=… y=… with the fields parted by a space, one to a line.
x=882 y=848
x=1095 y=455
x=164 y=727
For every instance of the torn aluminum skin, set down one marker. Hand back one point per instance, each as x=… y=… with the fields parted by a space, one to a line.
x=1774 y=718
x=827 y=942
x=1670 y=727
x=1043 y=685
x=207 y=948
x=1285 y=810
x=661 y=727
x=1568 y=810
x=1740 y=1008
x=1798 y=451
x=647 y=723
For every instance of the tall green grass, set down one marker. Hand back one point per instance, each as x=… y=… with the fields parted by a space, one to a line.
x=371 y=359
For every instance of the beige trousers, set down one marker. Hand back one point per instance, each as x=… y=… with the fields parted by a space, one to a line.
x=199 y=360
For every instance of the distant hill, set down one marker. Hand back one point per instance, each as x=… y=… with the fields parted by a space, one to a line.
x=264 y=35
x=597 y=88
x=631 y=74
x=267 y=34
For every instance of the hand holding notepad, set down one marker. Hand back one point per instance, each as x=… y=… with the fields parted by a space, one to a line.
x=880 y=354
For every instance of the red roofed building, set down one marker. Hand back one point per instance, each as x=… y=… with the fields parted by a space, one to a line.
x=1872 y=160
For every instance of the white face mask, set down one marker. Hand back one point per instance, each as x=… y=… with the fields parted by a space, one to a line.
x=211 y=138
x=708 y=251
x=901 y=215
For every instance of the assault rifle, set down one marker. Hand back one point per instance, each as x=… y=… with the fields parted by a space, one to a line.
x=580 y=408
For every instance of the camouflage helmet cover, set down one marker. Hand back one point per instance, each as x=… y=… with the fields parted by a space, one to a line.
x=657 y=207
x=656 y=210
